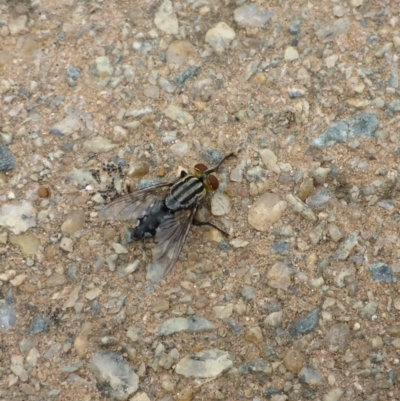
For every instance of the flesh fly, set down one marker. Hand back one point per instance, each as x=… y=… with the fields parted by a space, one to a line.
x=166 y=212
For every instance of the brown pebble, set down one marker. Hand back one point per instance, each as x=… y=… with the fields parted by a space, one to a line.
x=242 y=192
x=202 y=302
x=394 y=331
x=74 y=222
x=160 y=305
x=109 y=233
x=28 y=288
x=285 y=178
x=186 y=394
x=293 y=361
x=56 y=280
x=306 y=188
x=138 y=170
x=81 y=346
x=44 y=192
x=254 y=334
x=51 y=252
x=86 y=329
x=160 y=171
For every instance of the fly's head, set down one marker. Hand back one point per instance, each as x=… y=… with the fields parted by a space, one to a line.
x=207 y=177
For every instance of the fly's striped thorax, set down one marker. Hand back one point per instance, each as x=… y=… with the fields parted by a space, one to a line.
x=185 y=193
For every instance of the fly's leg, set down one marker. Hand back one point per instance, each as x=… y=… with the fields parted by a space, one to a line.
x=207 y=223
x=215 y=169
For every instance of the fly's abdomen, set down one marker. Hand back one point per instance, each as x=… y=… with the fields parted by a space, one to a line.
x=185 y=193
x=147 y=225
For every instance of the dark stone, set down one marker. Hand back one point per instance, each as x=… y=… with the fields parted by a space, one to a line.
x=189 y=73
x=382 y=272
x=7 y=161
x=305 y=325
x=39 y=325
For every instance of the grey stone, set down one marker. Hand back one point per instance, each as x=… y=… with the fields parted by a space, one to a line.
x=192 y=324
x=211 y=156
x=328 y=32
x=258 y=366
x=338 y=338
x=251 y=16
x=7 y=161
x=305 y=325
x=115 y=377
x=295 y=26
x=39 y=325
x=205 y=364
x=346 y=247
x=310 y=376
x=8 y=314
x=382 y=272
x=236 y=327
x=189 y=73
x=361 y=125
x=394 y=105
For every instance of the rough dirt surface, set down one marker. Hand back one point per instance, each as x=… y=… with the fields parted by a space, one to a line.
x=302 y=301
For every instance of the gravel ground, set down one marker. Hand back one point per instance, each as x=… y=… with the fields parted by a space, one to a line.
x=302 y=301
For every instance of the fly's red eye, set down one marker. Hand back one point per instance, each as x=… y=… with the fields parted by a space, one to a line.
x=214 y=184
x=200 y=167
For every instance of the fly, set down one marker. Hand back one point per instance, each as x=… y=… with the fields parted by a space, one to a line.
x=166 y=212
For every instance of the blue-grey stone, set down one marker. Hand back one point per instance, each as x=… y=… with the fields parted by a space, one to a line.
x=386 y=204
x=149 y=289
x=394 y=105
x=7 y=161
x=335 y=133
x=115 y=378
x=281 y=247
x=189 y=73
x=272 y=307
x=269 y=392
x=39 y=325
x=260 y=367
x=96 y=307
x=295 y=93
x=73 y=73
x=71 y=82
x=305 y=325
x=129 y=236
x=224 y=246
x=324 y=31
x=57 y=101
x=361 y=125
x=310 y=376
x=71 y=367
x=56 y=132
x=394 y=77
x=8 y=315
x=295 y=26
x=372 y=38
x=211 y=156
x=382 y=272
x=236 y=327
x=191 y=324
x=268 y=350
x=248 y=293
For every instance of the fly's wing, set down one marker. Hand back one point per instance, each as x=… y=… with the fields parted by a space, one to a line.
x=134 y=205
x=170 y=238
